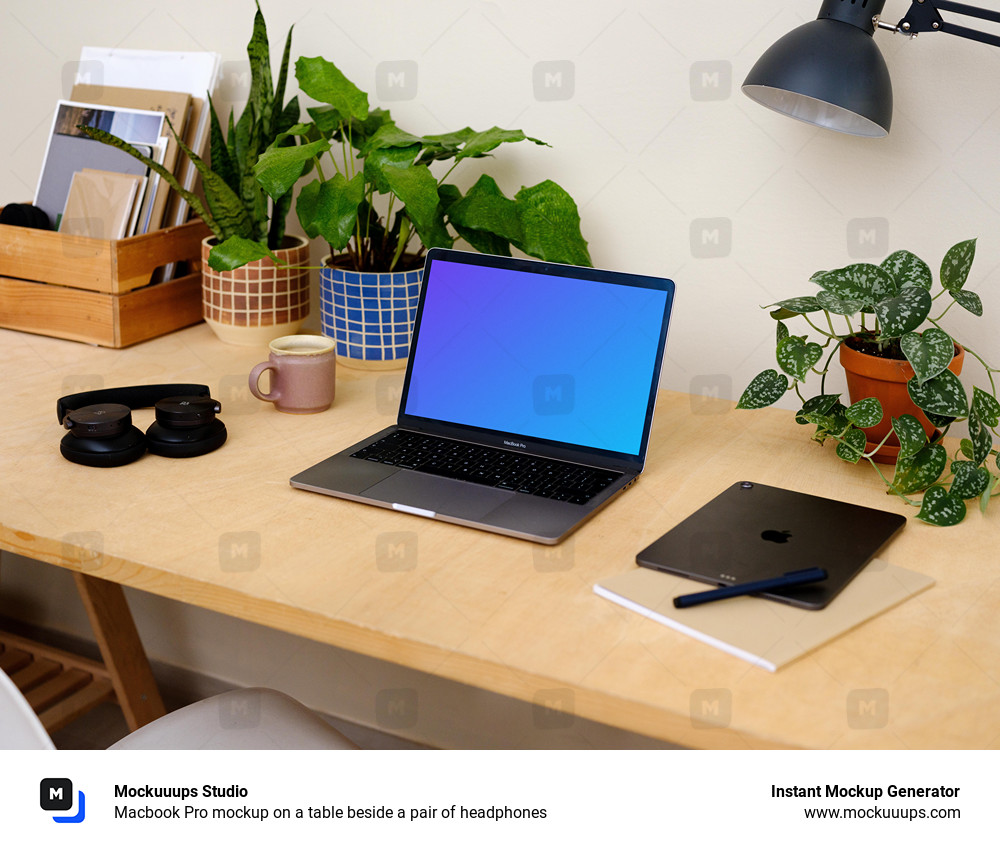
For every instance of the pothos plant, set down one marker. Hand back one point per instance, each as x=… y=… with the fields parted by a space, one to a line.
x=375 y=200
x=886 y=310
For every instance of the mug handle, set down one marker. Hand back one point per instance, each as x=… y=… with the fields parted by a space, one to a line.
x=254 y=380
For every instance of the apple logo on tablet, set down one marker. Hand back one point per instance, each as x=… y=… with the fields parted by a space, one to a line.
x=772 y=535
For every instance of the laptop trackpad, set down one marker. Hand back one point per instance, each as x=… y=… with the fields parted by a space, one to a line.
x=442 y=495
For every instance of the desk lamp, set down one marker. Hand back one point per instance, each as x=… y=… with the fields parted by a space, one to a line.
x=829 y=72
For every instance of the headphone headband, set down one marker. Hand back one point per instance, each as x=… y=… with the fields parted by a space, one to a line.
x=131 y=397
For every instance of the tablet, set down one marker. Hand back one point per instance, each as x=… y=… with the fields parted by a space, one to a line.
x=754 y=531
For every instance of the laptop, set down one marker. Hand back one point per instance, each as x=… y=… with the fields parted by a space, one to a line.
x=753 y=531
x=527 y=401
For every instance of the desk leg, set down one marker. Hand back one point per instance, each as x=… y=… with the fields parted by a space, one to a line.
x=121 y=649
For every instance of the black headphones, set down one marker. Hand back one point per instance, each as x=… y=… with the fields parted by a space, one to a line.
x=101 y=432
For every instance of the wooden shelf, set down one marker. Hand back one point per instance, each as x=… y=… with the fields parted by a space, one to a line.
x=59 y=686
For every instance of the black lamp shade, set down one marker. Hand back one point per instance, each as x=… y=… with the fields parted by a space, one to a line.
x=829 y=73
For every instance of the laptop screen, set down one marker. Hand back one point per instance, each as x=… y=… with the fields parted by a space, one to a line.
x=543 y=351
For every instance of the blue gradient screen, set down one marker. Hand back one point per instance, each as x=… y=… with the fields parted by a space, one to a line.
x=537 y=355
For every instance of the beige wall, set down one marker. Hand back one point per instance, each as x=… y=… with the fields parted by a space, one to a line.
x=675 y=172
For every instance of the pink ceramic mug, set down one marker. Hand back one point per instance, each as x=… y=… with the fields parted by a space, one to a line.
x=303 y=371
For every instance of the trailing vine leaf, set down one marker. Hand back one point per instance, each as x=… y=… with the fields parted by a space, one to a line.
x=910 y=433
x=984 y=499
x=782 y=313
x=907 y=268
x=763 y=391
x=980 y=438
x=969 y=300
x=796 y=356
x=940 y=508
x=851 y=445
x=956 y=264
x=970 y=480
x=866 y=413
x=797 y=306
x=818 y=405
x=985 y=407
x=237 y=251
x=943 y=394
x=937 y=420
x=903 y=312
x=834 y=421
x=929 y=353
x=861 y=282
x=781 y=331
x=833 y=303
x=921 y=470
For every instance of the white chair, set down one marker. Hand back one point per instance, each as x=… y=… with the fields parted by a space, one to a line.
x=20 y=728
x=245 y=719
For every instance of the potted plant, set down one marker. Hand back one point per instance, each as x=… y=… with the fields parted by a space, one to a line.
x=376 y=202
x=886 y=327
x=268 y=297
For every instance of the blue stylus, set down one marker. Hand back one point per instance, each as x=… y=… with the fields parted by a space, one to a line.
x=792 y=579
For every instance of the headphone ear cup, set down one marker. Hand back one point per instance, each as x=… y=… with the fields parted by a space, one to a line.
x=185 y=442
x=116 y=451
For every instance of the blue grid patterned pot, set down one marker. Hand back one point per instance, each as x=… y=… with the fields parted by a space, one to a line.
x=369 y=315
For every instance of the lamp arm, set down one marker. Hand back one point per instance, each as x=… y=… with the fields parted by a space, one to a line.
x=923 y=16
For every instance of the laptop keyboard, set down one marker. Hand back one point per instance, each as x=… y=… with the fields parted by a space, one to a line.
x=506 y=470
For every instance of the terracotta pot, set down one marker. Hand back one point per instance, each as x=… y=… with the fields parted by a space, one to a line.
x=260 y=301
x=869 y=376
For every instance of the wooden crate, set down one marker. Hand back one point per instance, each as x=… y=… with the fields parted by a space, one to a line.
x=98 y=290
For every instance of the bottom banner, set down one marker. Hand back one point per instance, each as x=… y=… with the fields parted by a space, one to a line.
x=494 y=798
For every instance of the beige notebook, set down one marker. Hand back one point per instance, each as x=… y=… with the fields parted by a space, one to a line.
x=99 y=204
x=768 y=634
x=175 y=105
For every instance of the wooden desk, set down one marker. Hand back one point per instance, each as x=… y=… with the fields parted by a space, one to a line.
x=226 y=532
